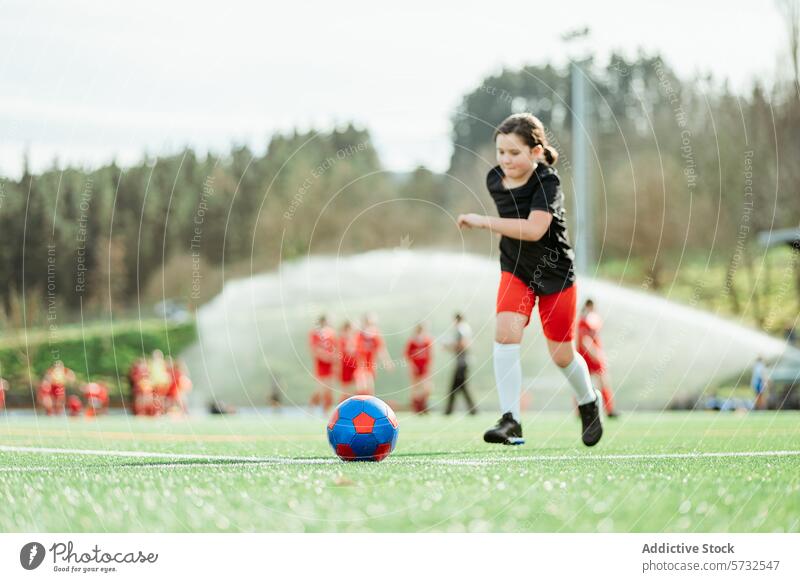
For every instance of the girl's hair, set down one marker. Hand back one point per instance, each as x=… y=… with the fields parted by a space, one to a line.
x=528 y=127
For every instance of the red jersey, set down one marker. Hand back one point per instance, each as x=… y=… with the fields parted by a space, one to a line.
x=58 y=378
x=418 y=348
x=96 y=391
x=348 y=357
x=138 y=371
x=368 y=343
x=323 y=349
x=45 y=388
x=418 y=353
x=175 y=377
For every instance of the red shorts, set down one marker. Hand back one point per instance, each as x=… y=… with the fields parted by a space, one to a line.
x=557 y=310
x=347 y=374
x=323 y=369
x=420 y=367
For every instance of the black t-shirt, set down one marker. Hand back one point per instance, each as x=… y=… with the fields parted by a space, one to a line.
x=546 y=265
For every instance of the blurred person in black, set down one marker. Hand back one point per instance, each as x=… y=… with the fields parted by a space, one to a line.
x=461 y=341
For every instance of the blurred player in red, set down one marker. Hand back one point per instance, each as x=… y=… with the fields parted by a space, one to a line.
x=96 y=395
x=146 y=402
x=419 y=352
x=348 y=359
x=322 y=340
x=370 y=348
x=591 y=348
x=3 y=390
x=136 y=375
x=54 y=387
x=160 y=379
x=44 y=396
x=74 y=405
x=179 y=386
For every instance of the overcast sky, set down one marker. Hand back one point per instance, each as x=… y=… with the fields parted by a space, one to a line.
x=87 y=82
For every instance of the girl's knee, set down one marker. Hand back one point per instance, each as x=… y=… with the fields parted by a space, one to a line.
x=562 y=356
x=507 y=337
x=562 y=361
x=509 y=328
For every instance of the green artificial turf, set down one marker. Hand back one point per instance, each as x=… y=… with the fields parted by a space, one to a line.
x=441 y=477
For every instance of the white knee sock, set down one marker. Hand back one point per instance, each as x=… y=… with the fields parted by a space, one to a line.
x=508 y=376
x=577 y=373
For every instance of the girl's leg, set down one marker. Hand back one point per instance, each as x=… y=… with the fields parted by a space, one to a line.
x=557 y=312
x=420 y=392
x=607 y=394
x=471 y=408
x=506 y=355
x=451 y=396
x=426 y=393
x=574 y=368
x=415 y=390
x=327 y=394
x=371 y=383
x=362 y=380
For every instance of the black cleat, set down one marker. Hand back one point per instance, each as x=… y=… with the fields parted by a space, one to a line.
x=507 y=431
x=592 y=427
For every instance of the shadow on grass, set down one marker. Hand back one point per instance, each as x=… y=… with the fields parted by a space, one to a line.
x=222 y=462
x=265 y=461
x=318 y=460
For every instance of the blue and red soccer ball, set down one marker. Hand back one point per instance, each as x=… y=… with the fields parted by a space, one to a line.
x=363 y=428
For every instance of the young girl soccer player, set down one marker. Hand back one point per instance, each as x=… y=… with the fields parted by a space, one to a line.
x=536 y=263
x=419 y=352
x=322 y=341
x=370 y=348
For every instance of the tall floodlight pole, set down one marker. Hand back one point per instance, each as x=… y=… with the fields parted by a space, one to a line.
x=581 y=131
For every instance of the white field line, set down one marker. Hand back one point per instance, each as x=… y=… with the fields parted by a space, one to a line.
x=233 y=461
x=154 y=455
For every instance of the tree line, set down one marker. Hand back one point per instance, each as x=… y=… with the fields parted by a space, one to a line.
x=682 y=168
x=73 y=240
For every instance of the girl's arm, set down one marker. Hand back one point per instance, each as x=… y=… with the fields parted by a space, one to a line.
x=532 y=228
